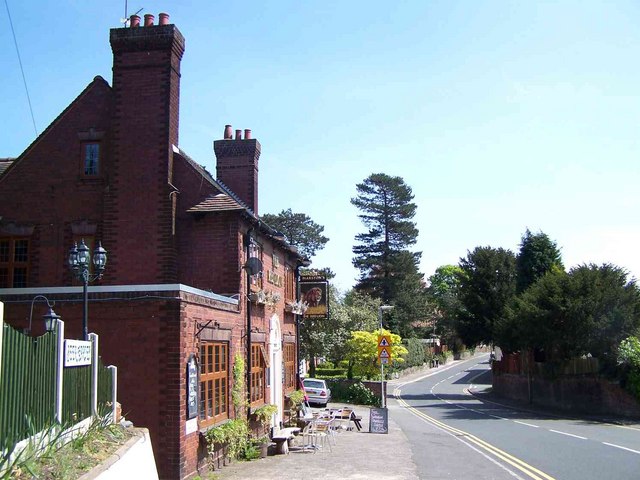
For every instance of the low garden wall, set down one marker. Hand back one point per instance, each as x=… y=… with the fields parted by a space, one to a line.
x=585 y=394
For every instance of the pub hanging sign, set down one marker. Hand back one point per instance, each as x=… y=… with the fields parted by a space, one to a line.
x=314 y=292
x=192 y=387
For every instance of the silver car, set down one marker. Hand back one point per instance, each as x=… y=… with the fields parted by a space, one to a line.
x=317 y=391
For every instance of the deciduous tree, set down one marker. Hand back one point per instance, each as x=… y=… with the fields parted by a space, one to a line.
x=363 y=351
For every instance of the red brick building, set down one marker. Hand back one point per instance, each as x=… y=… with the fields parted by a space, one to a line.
x=108 y=169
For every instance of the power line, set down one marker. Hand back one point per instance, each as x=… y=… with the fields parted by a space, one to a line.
x=24 y=80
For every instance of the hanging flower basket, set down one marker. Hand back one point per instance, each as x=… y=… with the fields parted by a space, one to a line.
x=259 y=297
x=272 y=300
x=297 y=308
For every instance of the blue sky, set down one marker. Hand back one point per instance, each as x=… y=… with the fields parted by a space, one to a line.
x=500 y=116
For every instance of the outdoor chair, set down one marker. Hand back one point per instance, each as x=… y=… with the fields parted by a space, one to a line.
x=316 y=435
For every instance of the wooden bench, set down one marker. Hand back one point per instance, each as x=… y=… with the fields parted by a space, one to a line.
x=281 y=439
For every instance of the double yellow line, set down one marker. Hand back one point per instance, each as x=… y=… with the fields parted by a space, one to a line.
x=525 y=468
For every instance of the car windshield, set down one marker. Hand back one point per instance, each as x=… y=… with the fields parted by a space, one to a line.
x=313 y=384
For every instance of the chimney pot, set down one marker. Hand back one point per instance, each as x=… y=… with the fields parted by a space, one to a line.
x=148 y=20
x=134 y=21
x=238 y=134
x=164 y=19
x=228 y=135
x=247 y=134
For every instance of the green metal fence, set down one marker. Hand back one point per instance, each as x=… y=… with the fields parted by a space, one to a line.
x=28 y=387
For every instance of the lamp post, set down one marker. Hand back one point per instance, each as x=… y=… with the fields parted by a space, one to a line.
x=80 y=262
x=382 y=308
x=50 y=318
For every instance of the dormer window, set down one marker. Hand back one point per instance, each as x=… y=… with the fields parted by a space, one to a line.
x=91 y=159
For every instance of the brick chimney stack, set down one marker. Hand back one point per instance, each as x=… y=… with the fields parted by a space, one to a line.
x=146 y=92
x=237 y=165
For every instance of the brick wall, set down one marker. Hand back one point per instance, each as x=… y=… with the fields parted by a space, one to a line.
x=585 y=394
x=46 y=190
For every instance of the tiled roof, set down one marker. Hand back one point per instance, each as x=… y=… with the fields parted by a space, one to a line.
x=219 y=202
x=5 y=163
x=226 y=200
x=221 y=187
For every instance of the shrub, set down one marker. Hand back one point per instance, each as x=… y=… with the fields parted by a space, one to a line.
x=234 y=433
x=356 y=393
x=359 y=394
x=330 y=373
x=629 y=360
x=338 y=390
x=416 y=355
x=629 y=352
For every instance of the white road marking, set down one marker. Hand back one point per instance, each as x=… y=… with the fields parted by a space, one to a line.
x=527 y=424
x=623 y=448
x=568 y=434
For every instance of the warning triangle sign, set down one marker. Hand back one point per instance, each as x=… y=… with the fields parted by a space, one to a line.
x=383 y=341
x=384 y=353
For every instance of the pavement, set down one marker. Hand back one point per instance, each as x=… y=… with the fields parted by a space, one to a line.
x=356 y=455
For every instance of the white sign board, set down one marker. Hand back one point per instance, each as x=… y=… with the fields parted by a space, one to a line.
x=191 y=426
x=77 y=353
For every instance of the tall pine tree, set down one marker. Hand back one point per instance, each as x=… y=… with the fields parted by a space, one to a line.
x=388 y=269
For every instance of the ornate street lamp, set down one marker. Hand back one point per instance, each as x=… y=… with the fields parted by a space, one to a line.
x=79 y=262
x=50 y=318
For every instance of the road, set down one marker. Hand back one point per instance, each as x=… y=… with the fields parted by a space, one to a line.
x=456 y=435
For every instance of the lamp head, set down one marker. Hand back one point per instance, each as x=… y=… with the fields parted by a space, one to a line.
x=73 y=257
x=83 y=255
x=99 y=258
x=50 y=320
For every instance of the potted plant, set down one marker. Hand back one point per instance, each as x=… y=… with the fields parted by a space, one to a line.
x=295 y=399
x=262 y=443
x=263 y=415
